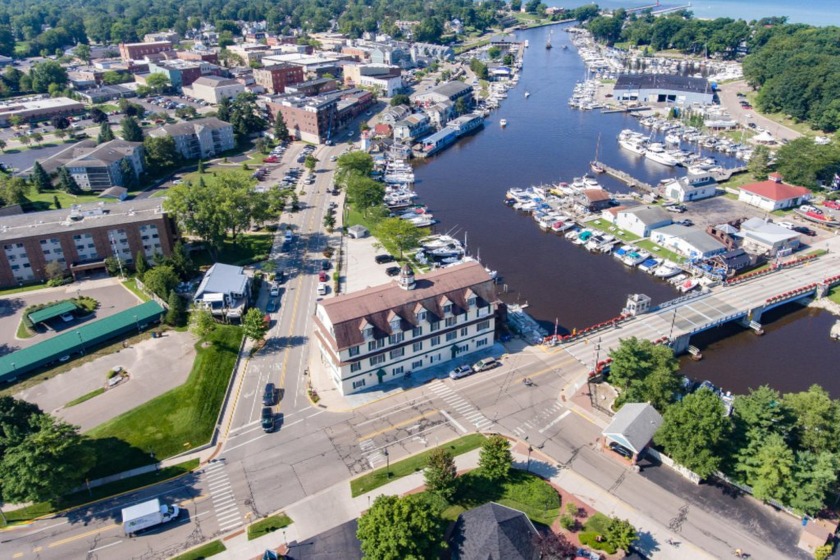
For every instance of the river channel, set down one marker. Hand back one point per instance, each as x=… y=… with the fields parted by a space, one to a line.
x=546 y=141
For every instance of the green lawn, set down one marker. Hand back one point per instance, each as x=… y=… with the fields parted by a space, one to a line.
x=834 y=295
x=268 y=525
x=659 y=251
x=204 y=551
x=87 y=397
x=607 y=227
x=23 y=331
x=131 y=286
x=739 y=180
x=107 y=107
x=100 y=492
x=22 y=289
x=176 y=421
x=249 y=248
x=523 y=491
x=411 y=465
x=38 y=201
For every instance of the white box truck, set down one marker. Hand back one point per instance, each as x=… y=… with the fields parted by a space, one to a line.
x=147 y=514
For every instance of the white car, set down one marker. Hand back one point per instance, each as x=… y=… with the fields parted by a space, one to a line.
x=322 y=288
x=274 y=292
x=787 y=225
x=461 y=371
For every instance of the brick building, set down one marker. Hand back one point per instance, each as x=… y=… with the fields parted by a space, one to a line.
x=81 y=237
x=276 y=77
x=136 y=51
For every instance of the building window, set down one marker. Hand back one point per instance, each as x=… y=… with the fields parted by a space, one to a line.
x=421 y=316
x=435 y=340
x=376 y=360
x=417 y=347
x=447 y=308
x=355 y=366
x=450 y=321
x=471 y=302
x=398 y=370
x=396 y=338
x=464 y=331
x=354 y=351
x=375 y=344
x=483 y=326
x=451 y=336
x=417 y=331
x=434 y=326
x=464 y=348
x=397 y=353
x=481 y=342
x=417 y=365
x=360 y=383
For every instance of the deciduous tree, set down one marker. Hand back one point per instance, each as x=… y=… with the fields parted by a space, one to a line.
x=495 y=459
x=253 y=324
x=161 y=280
x=400 y=234
x=621 y=534
x=364 y=192
x=202 y=323
x=401 y=528
x=440 y=474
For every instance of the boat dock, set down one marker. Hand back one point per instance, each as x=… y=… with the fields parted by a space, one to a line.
x=628 y=179
x=624 y=110
x=726 y=174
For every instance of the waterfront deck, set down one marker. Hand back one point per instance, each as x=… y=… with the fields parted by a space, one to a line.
x=628 y=179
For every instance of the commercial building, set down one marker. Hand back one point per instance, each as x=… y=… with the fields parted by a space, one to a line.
x=225 y=291
x=184 y=72
x=317 y=86
x=106 y=93
x=101 y=167
x=689 y=242
x=385 y=79
x=161 y=37
x=412 y=127
x=311 y=64
x=137 y=51
x=765 y=238
x=81 y=237
x=201 y=138
x=773 y=194
x=450 y=91
x=36 y=108
x=317 y=119
x=251 y=52
x=276 y=77
x=691 y=187
x=642 y=220
x=663 y=88
x=379 y=334
x=212 y=89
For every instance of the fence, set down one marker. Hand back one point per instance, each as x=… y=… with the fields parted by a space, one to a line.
x=142 y=287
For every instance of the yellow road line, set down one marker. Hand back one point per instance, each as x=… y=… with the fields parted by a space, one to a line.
x=82 y=536
x=397 y=426
x=17 y=554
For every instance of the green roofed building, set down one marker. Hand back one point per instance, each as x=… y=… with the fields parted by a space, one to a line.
x=52 y=311
x=78 y=341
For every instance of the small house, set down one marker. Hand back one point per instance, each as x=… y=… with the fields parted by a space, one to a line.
x=642 y=220
x=224 y=291
x=594 y=200
x=358 y=231
x=493 y=531
x=691 y=187
x=687 y=241
x=633 y=427
x=773 y=194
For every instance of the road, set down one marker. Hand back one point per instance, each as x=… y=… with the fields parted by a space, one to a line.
x=728 y=95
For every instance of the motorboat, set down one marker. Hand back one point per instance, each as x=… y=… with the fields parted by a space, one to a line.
x=666 y=270
x=632 y=146
x=688 y=284
x=656 y=153
x=635 y=257
x=582 y=237
x=621 y=251
x=503 y=123
x=648 y=265
x=560 y=226
x=527 y=94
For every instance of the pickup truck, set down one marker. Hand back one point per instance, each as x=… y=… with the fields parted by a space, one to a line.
x=147 y=514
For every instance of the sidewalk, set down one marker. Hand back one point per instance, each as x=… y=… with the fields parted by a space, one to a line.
x=334 y=506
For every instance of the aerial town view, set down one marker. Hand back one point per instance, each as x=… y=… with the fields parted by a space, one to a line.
x=419 y=280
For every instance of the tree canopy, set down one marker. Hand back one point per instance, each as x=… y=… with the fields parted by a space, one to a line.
x=401 y=528
x=645 y=372
x=495 y=459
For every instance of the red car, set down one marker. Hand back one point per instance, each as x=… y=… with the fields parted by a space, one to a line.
x=270 y=159
x=322 y=276
x=833 y=204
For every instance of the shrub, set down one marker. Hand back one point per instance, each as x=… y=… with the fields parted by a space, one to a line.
x=568 y=522
x=572 y=509
x=598 y=523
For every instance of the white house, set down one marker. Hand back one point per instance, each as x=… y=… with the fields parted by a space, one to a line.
x=773 y=194
x=766 y=238
x=691 y=187
x=224 y=290
x=641 y=220
x=379 y=334
x=687 y=241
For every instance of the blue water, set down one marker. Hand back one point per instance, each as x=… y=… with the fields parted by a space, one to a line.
x=814 y=12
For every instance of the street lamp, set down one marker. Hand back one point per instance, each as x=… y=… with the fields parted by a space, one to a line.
x=528 y=465
x=387 y=462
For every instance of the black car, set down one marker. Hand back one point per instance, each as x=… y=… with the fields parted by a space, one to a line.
x=280 y=276
x=805 y=231
x=270 y=394
x=621 y=450
x=392 y=270
x=382 y=259
x=325 y=264
x=267 y=420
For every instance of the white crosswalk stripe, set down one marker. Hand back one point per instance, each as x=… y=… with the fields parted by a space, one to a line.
x=224 y=501
x=460 y=405
x=374 y=457
x=541 y=423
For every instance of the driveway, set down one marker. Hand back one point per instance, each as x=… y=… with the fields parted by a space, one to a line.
x=730 y=100
x=154 y=366
x=109 y=292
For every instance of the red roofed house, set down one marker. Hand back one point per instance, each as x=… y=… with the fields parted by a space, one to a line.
x=379 y=334
x=773 y=194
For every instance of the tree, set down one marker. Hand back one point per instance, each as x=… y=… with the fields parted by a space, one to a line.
x=82 y=52
x=352 y=163
x=223 y=109
x=47 y=73
x=129 y=176
x=401 y=528
x=495 y=459
x=823 y=552
x=2 y=145
x=815 y=477
x=553 y=546
x=141 y=265
x=202 y=323
x=773 y=469
x=25 y=139
x=37 y=137
x=401 y=234
x=180 y=261
x=158 y=82
x=56 y=202
x=310 y=162
x=66 y=182
x=47 y=463
x=400 y=99
x=18 y=419
x=130 y=130
x=440 y=474
x=105 y=133
x=40 y=178
x=176 y=313
x=98 y=116
x=245 y=116
x=759 y=164
x=816 y=416
x=161 y=154
x=646 y=372
x=620 y=533
x=254 y=325
x=13 y=190
x=494 y=52
x=161 y=280
x=693 y=432
x=281 y=132
x=364 y=192
x=60 y=123
x=112 y=265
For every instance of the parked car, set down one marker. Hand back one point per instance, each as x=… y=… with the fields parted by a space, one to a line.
x=274 y=291
x=485 y=364
x=269 y=395
x=325 y=264
x=461 y=371
x=267 y=420
x=621 y=450
x=805 y=231
x=271 y=307
x=788 y=225
x=67 y=317
x=322 y=288
x=392 y=271
x=383 y=259
x=322 y=276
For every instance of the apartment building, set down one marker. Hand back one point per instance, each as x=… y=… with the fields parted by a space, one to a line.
x=201 y=138
x=137 y=51
x=100 y=167
x=276 y=77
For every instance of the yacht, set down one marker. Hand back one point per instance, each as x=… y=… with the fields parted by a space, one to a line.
x=635 y=257
x=503 y=123
x=632 y=146
x=666 y=270
x=656 y=152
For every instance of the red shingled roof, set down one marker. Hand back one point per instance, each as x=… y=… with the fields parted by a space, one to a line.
x=775 y=191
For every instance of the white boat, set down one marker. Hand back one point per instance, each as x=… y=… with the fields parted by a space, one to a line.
x=688 y=284
x=503 y=123
x=631 y=146
x=635 y=257
x=527 y=94
x=666 y=270
x=560 y=226
x=656 y=152
x=672 y=138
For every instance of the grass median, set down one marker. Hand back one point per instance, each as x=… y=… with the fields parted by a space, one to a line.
x=86 y=397
x=411 y=465
x=178 y=420
x=100 y=492
x=204 y=551
x=268 y=525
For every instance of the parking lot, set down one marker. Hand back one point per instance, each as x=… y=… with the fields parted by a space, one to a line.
x=110 y=294
x=360 y=268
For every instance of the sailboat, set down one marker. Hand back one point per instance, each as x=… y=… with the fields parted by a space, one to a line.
x=595 y=165
x=548 y=41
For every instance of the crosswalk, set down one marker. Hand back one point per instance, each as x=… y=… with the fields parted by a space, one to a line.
x=542 y=422
x=460 y=405
x=224 y=501
x=374 y=456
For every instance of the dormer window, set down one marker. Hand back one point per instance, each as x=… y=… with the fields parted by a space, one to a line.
x=395 y=325
x=367 y=330
x=471 y=301
x=447 y=309
x=421 y=316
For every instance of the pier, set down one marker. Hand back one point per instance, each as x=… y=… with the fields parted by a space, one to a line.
x=624 y=110
x=628 y=179
x=727 y=174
